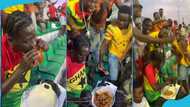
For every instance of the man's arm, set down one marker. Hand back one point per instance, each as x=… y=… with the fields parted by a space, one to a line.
x=20 y=71
x=103 y=49
x=148 y=39
x=183 y=46
x=61 y=76
x=129 y=47
x=8 y=84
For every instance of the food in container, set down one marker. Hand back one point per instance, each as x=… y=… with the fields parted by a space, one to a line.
x=103 y=99
x=104 y=96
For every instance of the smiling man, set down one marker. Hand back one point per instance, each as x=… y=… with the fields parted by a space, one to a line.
x=117 y=40
x=76 y=68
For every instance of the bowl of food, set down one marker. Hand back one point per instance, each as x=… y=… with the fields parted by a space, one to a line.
x=103 y=99
x=104 y=96
x=170 y=92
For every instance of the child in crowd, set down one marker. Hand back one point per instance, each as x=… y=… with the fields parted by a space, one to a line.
x=138 y=95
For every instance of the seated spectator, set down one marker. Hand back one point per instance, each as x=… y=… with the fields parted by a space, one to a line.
x=21 y=52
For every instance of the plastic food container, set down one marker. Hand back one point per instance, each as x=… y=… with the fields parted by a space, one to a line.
x=109 y=88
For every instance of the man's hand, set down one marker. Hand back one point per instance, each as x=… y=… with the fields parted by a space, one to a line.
x=28 y=60
x=41 y=44
x=168 y=81
x=102 y=69
x=157 y=87
x=26 y=64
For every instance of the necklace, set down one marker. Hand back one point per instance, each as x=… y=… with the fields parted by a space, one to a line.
x=86 y=22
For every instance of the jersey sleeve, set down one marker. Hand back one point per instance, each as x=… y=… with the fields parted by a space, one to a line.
x=109 y=33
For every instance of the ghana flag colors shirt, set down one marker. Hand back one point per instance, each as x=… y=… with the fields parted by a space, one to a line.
x=76 y=75
x=10 y=61
x=75 y=16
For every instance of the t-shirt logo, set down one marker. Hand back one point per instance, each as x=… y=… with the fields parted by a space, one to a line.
x=78 y=81
x=82 y=82
x=22 y=81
